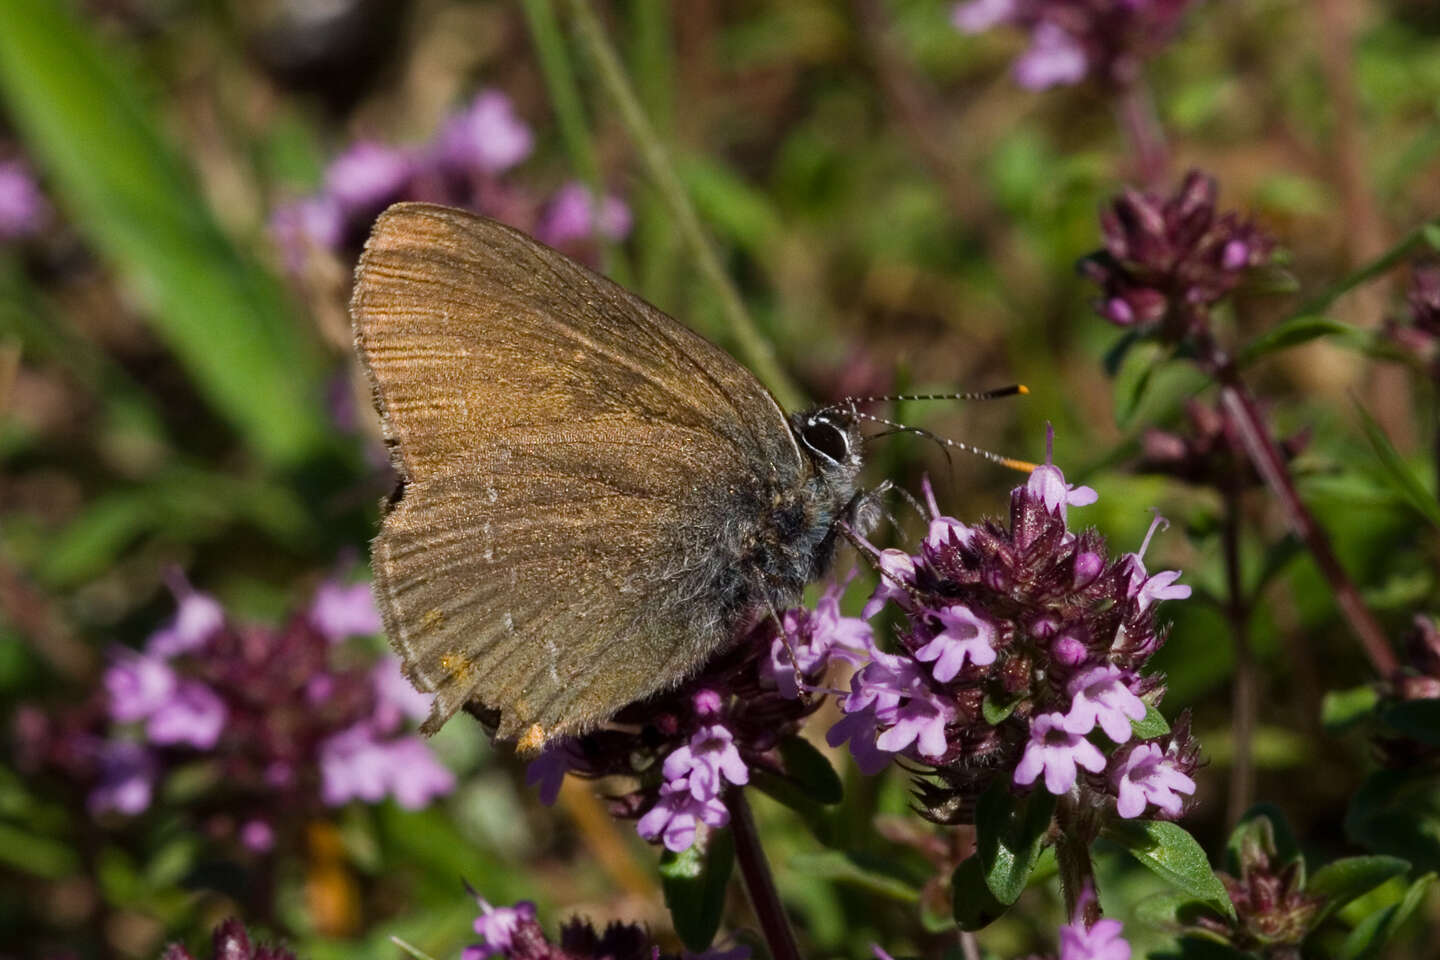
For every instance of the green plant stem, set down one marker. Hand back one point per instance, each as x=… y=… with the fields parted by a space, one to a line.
x=764 y=898
x=754 y=348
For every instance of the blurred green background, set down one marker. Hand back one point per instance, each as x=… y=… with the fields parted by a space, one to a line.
x=895 y=212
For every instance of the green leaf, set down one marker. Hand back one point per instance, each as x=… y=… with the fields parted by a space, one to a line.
x=1350 y=877
x=1171 y=853
x=1402 y=479
x=1397 y=812
x=1152 y=725
x=1343 y=709
x=997 y=711
x=1367 y=272
x=224 y=317
x=26 y=851
x=974 y=905
x=811 y=771
x=1371 y=934
x=1416 y=719
x=695 y=883
x=876 y=875
x=1010 y=833
x=1292 y=333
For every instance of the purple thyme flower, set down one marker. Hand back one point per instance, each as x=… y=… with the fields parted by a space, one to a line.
x=964 y=635
x=1148 y=775
x=1073 y=39
x=1148 y=589
x=355 y=765
x=339 y=611
x=901 y=708
x=257 y=836
x=367 y=177
x=677 y=815
x=1101 y=942
x=197 y=617
x=547 y=771
x=137 y=685
x=193 y=715
x=897 y=573
x=497 y=927
x=307 y=225
x=1100 y=696
x=23 y=208
x=1056 y=751
x=816 y=637
x=487 y=136
x=573 y=217
x=1055 y=58
x=707 y=761
x=127 y=778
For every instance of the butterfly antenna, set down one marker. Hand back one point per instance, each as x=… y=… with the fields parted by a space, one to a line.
x=849 y=403
x=1024 y=466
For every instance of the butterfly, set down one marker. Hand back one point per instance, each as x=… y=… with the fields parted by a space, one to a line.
x=593 y=500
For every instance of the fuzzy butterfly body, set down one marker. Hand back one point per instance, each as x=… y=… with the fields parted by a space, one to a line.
x=592 y=499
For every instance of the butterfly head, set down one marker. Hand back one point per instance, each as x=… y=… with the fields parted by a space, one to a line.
x=831 y=441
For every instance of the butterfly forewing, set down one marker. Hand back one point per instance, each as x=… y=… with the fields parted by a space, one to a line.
x=557 y=440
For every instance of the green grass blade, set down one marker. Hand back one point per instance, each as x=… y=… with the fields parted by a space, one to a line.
x=225 y=318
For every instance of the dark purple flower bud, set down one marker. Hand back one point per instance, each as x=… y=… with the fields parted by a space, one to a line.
x=231 y=941
x=1088 y=565
x=1068 y=650
x=1166 y=261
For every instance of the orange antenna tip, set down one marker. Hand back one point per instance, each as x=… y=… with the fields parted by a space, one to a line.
x=1024 y=466
x=1021 y=389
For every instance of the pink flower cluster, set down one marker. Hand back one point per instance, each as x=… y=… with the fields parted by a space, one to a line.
x=270 y=709
x=1020 y=643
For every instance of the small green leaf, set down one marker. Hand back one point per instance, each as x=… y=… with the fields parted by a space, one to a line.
x=1115 y=356
x=878 y=875
x=996 y=711
x=974 y=905
x=1343 y=880
x=1010 y=833
x=1132 y=380
x=1371 y=934
x=1343 y=709
x=1268 y=280
x=1152 y=725
x=811 y=770
x=1416 y=719
x=1293 y=333
x=1431 y=233
x=695 y=883
x=1402 y=479
x=1173 y=855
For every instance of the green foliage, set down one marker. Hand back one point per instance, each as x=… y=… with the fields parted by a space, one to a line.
x=695 y=883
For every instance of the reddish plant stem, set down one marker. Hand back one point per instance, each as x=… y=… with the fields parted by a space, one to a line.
x=1136 y=112
x=759 y=883
x=1243 y=697
x=1249 y=423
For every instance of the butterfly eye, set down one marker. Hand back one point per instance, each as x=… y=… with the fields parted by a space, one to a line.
x=826 y=439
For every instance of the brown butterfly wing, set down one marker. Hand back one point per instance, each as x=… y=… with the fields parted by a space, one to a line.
x=556 y=438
